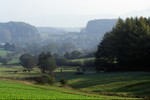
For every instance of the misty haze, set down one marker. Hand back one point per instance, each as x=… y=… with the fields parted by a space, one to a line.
x=75 y=49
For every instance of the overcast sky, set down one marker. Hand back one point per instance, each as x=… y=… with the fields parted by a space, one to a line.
x=69 y=13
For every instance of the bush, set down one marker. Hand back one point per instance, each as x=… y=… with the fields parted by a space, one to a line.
x=46 y=79
x=51 y=80
x=89 y=63
x=79 y=73
x=61 y=61
x=74 y=63
x=63 y=82
x=4 y=61
x=40 y=80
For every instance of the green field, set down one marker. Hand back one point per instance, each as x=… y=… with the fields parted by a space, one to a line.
x=82 y=59
x=17 y=90
x=14 y=62
x=11 y=89
x=8 y=72
x=118 y=85
x=121 y=83
x=4 y=52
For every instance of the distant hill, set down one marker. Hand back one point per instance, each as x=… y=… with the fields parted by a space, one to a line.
x=50 y=30
x=57 y=30
x=100 y=26
x=18 y=33
x=89 y=37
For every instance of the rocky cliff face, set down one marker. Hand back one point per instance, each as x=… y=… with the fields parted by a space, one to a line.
x=100 y=26
x=18 y=32
x=88 y=38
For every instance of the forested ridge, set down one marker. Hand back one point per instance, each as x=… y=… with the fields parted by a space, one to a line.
x=126 y=47
x=18 y=33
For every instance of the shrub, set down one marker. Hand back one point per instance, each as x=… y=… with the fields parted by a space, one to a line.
x=63 y=82
x=79 y=73
x=4 y=61
x=46 y=79
x=74 y=63
x=89 y=63
x=61 y=61
x=51 y=80
x=40 y=80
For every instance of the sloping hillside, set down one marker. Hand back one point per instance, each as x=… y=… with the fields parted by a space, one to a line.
x=88 y=38
x=100 y=26
x=18 y=32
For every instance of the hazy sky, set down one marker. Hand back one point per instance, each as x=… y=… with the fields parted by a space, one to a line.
x=69 y=13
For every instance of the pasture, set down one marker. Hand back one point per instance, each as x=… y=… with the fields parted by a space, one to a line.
x=4 y=52
x=119 y=83
x=17 y=90
x=116 y=85
x=82 y=59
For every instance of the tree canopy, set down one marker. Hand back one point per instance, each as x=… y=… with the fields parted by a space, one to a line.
x=28 y=61
x=46 y=63
x=126 y=47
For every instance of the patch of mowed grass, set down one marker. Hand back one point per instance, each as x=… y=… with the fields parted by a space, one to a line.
x=17 y=90
x=82 y=59
x=116 y=83
x=8 y=72
x=14 y=62
x=13 y=90
x=112 y=83
x=4 y=52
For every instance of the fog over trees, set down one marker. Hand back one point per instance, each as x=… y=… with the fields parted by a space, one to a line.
x=18 y=33
x=88 y=37
x=57 y=40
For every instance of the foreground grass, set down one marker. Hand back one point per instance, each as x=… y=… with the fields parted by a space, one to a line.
x=136 y=84
x=13 y=90
x=120 y=85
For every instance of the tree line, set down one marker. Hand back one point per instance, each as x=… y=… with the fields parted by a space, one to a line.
x=44 y=61
x=126 y=47
x=47 y=62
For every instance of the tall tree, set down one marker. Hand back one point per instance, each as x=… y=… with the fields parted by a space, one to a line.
x=126 y=47
x=46 y=63
x=28 y=61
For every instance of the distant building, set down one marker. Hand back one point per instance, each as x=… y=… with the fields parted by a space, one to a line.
x=2 y=45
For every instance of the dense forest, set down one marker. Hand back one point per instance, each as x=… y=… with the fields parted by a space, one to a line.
x=126 y=47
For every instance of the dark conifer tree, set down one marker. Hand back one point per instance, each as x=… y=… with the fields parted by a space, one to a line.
x=126 y=47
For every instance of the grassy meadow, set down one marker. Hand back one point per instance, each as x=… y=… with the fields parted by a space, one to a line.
x=17 y=90
x=91 y=85
x=83 y=59
x=121 y=83
x=4 y=52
